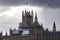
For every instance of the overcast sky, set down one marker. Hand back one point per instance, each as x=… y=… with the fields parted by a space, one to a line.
x=10 y=13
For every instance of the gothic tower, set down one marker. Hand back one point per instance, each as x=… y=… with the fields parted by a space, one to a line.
x=54 y=27
x=37 y=30
x=27 y=18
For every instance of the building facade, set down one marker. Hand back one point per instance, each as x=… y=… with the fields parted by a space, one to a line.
x=34 y=30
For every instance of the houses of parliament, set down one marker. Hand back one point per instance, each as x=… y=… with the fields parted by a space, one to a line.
x=34 y=29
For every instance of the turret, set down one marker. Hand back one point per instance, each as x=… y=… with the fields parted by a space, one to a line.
x=54 y=27
x=41 y=25
x=22 y=13
x=25 y=11
x=47 y=30
x=32 y=12
x=22 y=16
x=6 y=34
x=11 y=32
x=32 y=15
x=0 y=35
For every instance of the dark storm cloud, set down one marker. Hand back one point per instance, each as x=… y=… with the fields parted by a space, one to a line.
x=11 y=2
x=50 y=3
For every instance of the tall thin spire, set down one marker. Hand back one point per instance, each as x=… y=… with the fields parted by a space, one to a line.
x=36 y=23
x=54 y=27
x=36 y=17
x=36 y=20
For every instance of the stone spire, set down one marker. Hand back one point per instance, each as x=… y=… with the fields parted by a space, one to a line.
x=54 y=27
x=36 y=19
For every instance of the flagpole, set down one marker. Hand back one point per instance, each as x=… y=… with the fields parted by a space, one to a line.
x=26 y=5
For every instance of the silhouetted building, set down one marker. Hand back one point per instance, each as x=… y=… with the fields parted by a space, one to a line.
x=31 y=30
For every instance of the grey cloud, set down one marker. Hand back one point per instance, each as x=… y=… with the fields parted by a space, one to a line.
x=7 y=22
x=48 y=16
x=49 y=3
x=3 y=9
x=11 y=2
